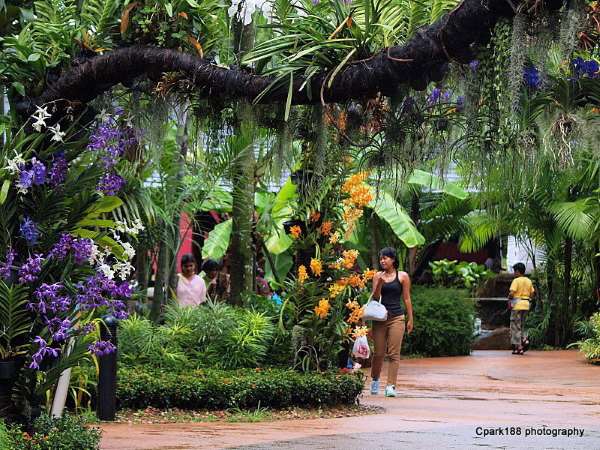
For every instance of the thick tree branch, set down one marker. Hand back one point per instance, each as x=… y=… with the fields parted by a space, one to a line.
x=421 y=60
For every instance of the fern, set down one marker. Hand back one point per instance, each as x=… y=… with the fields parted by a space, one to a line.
x=15 y=323
x=99 y=14
x=440 y=7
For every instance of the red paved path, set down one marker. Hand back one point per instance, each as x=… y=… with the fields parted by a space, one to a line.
x=442 y=402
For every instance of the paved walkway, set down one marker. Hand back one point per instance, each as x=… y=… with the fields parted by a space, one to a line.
x=443 y=403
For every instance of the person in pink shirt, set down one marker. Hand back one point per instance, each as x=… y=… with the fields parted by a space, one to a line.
x=191 y=288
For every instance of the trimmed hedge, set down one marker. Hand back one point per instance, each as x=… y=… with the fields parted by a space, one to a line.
x=443 y=322
x=139 y=387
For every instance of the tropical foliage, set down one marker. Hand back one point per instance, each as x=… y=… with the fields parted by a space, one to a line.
x=121 y=120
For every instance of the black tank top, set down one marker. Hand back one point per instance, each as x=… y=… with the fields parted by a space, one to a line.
x=391 y=297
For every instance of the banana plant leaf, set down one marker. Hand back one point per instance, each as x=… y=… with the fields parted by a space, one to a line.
x=386 y=207
x=431 y=181
x=218 y=241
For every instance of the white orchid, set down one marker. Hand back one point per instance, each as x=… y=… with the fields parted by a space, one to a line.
x=129 y=250
x=106 y=270
x=133 y=229
x=40 y=116
x=13 y=164
x=57 y=135
x=123 y=268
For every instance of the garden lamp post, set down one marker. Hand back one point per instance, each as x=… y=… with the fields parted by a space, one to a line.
x=107 y=377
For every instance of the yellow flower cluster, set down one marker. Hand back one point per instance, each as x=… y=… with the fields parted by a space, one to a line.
x=349 y=258
x=295 y=231
x=354 y=181
x=334 y=238
x=326 y=227
x=359 y=195
x=322 y=309
x=302 y=274
x=368 y=274
x=360 y=331
x=351 y=215
x=356 y=281
x=352 y=305
x=336 y=289
x=357 y=311
x=316 y=267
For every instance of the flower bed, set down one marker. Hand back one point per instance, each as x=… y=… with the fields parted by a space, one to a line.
x=249 y=388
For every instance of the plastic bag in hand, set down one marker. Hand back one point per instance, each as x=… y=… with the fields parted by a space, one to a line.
x=361 y=348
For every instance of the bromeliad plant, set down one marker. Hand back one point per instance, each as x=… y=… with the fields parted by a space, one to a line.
x=63 y=263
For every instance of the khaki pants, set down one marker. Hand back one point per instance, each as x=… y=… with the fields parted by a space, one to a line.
x=517 y=327
x=388 y=340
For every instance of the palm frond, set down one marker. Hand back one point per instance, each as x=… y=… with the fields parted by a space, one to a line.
x=577 y=219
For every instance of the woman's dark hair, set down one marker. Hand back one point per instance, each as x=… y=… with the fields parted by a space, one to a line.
x=187 y=258
x=209 y=265
x=390 y=252
x=519 y=267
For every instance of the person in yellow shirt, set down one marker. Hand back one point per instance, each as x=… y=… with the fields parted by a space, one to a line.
x=520 y=293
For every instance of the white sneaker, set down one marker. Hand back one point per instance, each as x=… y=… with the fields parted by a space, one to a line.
x=374 y=387
x=390 y=390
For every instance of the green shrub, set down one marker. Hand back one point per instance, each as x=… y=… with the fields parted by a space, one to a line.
x=245 y=345
x=217 y=389
x=591 y=347
x=5 y=441
x=212 y=335
x=443 y=322
x=66 y=433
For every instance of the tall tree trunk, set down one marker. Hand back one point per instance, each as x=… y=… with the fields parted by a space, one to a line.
x=242 y=257
x=182 y=141
x=566 y=303
x=160 y=282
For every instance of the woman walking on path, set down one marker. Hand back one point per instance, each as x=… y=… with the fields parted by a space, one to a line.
x=393 y=288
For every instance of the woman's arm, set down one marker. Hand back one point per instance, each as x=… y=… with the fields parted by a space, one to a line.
x=405 y=280
x=377 y=284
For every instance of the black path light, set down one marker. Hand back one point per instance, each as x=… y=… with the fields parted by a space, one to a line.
x=107 y=378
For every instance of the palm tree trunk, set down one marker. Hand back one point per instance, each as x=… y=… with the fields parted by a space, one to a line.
x=182 y=141
x=566 y=303
x=242 y=257
x=162 y=270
